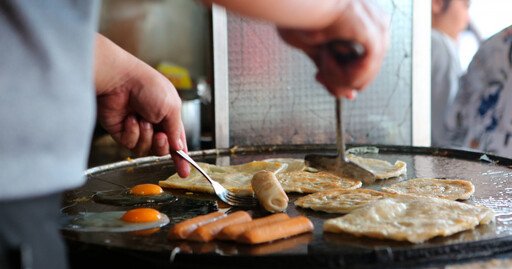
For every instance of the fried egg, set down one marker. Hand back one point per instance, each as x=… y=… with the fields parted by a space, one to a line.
x=139 y=194
x=118 y=221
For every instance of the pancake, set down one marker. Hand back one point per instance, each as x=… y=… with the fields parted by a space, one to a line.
x=340 y=201
x=307 y=182
x=235 y=178
x=293 y=164
x=409 y=218
x=440 y=188
x=381 y=169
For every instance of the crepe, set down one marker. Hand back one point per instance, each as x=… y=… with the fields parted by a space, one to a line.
x=307 y=182
x=293 y=164
x=381 y=169
x=340 y=201
x=235 y=178
x=409 y=218
x=440 y=188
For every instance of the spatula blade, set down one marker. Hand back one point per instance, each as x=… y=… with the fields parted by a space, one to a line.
x=347 y=169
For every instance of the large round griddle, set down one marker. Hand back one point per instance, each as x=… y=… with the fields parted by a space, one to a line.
x=489 y=174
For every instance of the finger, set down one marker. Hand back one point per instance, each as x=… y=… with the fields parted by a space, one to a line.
x=336 y=90
x=378 y=15
x=130 y=134
x=176 y=139
x=183 y=137
x=298 y=39
x=181 y=165
x=350 y=95
x=143 y=146
x=160 y=145
x=352 y=75
x=303 y=38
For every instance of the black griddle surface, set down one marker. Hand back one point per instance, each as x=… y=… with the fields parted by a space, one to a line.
x=489 y=174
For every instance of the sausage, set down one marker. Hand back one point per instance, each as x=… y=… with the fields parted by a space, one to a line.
x=184 y=228
x=277 y=246
x=276 y=230
x=231 y=232
x=208 y=231
x=269 y=191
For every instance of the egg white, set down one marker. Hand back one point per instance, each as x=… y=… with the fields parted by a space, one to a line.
x=124 y=197
x=111 y=222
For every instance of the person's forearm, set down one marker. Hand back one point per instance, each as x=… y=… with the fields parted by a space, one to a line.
x=112 y=64
x=302 y=14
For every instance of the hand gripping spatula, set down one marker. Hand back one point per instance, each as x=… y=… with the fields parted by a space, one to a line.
x=339 y=165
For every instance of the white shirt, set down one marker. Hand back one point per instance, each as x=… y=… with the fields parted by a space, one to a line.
x=47 y=99
x=445 y=74
x=482 y=113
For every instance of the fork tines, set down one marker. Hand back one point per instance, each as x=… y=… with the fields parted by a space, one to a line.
x=238 y=200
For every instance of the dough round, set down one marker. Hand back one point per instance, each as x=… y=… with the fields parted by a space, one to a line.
x=340 y=201
x=409 y=218
x=307 y=182
x=440 y=188
x=381 y=169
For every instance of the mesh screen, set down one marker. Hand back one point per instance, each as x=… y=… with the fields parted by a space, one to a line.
x=274 y=98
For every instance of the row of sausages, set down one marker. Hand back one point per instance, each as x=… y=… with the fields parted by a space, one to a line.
x=240 y=227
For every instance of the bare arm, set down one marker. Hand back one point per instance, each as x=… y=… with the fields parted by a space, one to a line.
x=138 y=106
x=309 y=24
x=299 y=14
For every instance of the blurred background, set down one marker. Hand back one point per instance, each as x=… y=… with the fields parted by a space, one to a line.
x=173 y=36
x=488 y=17
x=272 y=97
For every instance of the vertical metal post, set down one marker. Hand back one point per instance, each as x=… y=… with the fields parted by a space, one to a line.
x=421 y=73
x=220 y=77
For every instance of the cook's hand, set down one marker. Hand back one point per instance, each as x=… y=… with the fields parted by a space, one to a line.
x=360 y=22
x=309 y=24
x=137 y=105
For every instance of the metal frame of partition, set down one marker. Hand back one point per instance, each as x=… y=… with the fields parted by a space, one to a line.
x=220 y=77
x=421 y=87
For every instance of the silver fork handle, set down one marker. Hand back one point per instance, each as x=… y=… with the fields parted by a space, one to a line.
x=193 y=163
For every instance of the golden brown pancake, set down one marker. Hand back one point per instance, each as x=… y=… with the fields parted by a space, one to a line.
x=409 y=218
x=440 y=188
x=235 y=178
x=307 y=182
x=381 y=169
x=293 y=164
x=340 y=201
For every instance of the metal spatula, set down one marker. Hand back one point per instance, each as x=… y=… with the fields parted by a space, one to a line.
x=339 y=165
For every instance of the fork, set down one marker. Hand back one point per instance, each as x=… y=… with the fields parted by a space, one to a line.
x=226 y=196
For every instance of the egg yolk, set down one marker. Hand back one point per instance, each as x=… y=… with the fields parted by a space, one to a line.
x=146 y=189
x=141 y=215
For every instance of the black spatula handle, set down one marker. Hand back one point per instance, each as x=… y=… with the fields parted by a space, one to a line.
x=345 y=51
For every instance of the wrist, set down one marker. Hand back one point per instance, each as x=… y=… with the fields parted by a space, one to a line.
x=112 y=65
